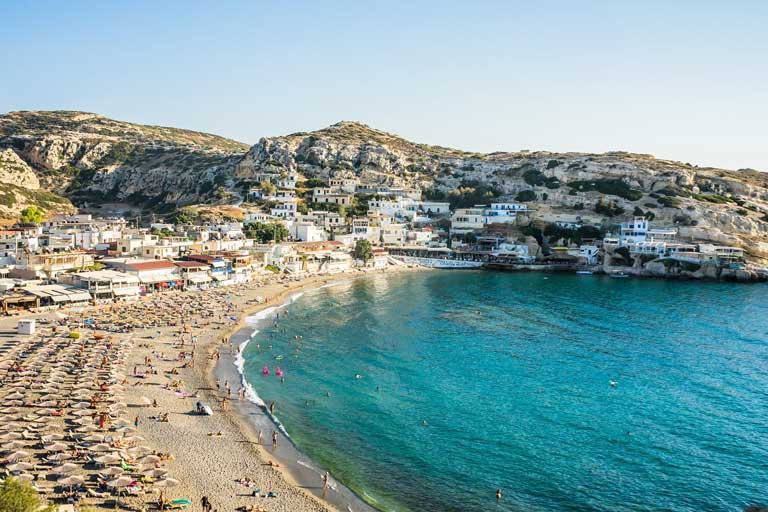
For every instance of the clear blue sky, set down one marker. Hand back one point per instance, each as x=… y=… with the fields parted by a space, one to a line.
x=685 y=80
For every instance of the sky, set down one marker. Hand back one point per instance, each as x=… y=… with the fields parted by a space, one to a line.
x=683 y=80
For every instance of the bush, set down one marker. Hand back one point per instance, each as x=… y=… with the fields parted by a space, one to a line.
x=552 y=164
x=552 y=182
x=609 y=187
x=578 y=206
x=609 y=208
x=470 y=194
x=525 y=195
x=622 y=256
x=670 y=202
x=534 y=177
x=20 y=496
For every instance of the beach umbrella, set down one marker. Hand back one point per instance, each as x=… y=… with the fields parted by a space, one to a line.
x=110 y=458
x=19 y=455
x=83 y=412
x=10 y=436
x=100 y=448
x=71 y=480
x=14 y=445
x=113 y=471
x=26 y=477
x=156 y=472
x=94 y=438
x=166 y=482
x=58 y=457
x=20 y=466
x=149 y=459
x=67 y=467
x=146 y=401
x=49 y=438
x=120 y=482
x=56 y=447
x=87 y=428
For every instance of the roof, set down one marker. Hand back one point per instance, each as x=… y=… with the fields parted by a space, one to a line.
x=201 y=257
x=318 y=246
x=190 y=264
x=152 y=265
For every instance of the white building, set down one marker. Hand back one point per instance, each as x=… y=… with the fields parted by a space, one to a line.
x=465 y=220
x=502 y=213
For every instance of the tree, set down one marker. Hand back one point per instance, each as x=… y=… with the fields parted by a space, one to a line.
x=31 y=215
x=266 y=232
x=363 y=250
x=267 y=188
x=19 y=496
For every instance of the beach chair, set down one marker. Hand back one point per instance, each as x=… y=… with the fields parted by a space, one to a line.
x=178 y=504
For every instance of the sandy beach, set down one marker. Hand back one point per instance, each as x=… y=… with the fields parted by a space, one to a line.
x=177 y=343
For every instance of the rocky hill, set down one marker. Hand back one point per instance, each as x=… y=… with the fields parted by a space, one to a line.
x=705 y=203
x=53 y=157
x=89 y=159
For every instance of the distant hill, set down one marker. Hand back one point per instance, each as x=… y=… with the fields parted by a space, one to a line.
x=89 y=159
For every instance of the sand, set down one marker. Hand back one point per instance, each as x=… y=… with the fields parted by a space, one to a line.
x=204 y=464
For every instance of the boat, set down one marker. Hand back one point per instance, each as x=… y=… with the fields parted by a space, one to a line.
x=584 y=272
x=619 y=275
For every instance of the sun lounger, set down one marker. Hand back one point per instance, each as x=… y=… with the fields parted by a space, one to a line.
x=177 y=504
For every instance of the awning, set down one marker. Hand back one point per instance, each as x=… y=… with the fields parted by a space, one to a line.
x=122 y=292
x=157 y=279
x=71 y=297
x=199 y=279
x=218 y=277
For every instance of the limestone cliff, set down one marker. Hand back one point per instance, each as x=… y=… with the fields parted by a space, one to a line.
x=705 y=203
x=91 y=159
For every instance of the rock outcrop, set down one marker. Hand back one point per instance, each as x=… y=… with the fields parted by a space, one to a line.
x=91 y=160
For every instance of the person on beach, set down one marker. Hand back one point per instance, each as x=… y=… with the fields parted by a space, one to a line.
x=325 y=482
x=136 y=421
x=261 y=436
x=205 y=504
x=218 y=384
x=272 y=408
x=274 y=438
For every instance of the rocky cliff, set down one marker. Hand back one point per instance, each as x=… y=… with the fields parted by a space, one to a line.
x=705 y=203
x=91 y=159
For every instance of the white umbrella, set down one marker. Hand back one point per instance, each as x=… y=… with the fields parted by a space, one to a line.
x=72 y=480
x=108 y=459
x=144 y=400
x=20 y=466
x=149 y=459
x=120 y=482
x=58 y=457
x=56 y=447
x=14 y=445
x=167 y=482
x=10 y=436
x=100 y=448
x=156 y=472
x=113 y=471
x=19 y=455
x=26 y=476
x=67 y=467
x=48 y=438
x=83 y=412
x=94 y=438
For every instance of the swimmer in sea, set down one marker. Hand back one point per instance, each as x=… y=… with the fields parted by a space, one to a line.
x=424 y=423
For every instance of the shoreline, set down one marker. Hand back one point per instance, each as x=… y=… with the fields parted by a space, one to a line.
x=241 y=456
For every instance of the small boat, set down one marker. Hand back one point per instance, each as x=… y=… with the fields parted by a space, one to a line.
x=619 y=275
x=584 y=272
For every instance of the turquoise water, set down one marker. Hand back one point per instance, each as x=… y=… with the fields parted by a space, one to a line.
x=512 y=372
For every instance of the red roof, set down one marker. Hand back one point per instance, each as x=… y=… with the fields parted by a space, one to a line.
x=152 y=265
x=190 y=264
x=201 y=257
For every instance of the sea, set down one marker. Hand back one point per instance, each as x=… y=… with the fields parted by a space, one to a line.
x=433 y=390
